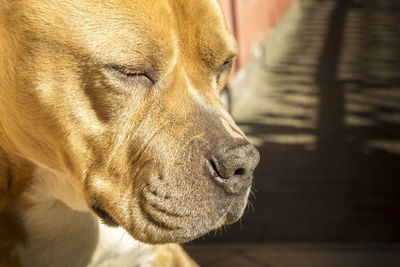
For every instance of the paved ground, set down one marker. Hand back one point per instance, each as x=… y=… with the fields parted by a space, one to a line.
x=296 y=255
x=321 y=99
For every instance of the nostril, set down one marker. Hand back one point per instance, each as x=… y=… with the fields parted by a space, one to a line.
x=240 y=171
x=215 y=168
x=232 y=169
x=224 y=172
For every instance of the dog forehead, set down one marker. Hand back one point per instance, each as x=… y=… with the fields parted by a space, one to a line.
x=194 y=26
x=134 y=26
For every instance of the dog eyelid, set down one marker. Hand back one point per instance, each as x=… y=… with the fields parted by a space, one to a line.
x=130 y=73
x=227 y=64
x=225 y=67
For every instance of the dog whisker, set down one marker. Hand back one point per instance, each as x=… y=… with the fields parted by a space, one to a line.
x=250 y=205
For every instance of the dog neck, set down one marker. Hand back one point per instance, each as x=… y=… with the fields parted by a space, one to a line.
x=59 y=215
x=54 y=224
x=56 y=235
x=35 y=224
x=48 y=184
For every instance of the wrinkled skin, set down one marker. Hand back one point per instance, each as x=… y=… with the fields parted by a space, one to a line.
x=131 y=112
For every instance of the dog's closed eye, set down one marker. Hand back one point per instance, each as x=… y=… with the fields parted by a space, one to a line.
x=131 y=76
x=225 y=68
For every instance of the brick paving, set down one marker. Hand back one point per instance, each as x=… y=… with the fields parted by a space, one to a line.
x=296 y=255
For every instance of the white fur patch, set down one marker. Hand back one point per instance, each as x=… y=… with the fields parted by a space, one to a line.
x=117 y=248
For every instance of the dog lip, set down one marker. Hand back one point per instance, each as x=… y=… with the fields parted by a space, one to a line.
x=223 y=219
x=104 y=215
x=231 y=218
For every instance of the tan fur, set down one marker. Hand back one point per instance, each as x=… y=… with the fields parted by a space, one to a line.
x=172 y=256
x=132 y=146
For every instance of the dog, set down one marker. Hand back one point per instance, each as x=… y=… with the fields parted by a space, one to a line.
x=114 y=144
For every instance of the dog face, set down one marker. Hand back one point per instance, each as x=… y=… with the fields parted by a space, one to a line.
x=124 y=97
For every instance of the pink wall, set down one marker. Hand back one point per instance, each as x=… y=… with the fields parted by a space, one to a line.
x=254 y=19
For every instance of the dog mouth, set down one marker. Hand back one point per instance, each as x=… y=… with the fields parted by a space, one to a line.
x=188 y=222
x=104 y=215
x=167 y=219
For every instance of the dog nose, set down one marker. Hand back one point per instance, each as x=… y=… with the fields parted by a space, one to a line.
x=233 y=169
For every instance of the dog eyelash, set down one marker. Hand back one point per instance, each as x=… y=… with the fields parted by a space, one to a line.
x=128 y=73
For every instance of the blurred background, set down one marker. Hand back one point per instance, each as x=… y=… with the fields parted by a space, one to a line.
x=316 y=87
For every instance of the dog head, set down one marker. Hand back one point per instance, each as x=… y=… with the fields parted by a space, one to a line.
x=124 y=97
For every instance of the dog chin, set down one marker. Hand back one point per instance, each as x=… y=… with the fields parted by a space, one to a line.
x=171 y=221
x=167 y=231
